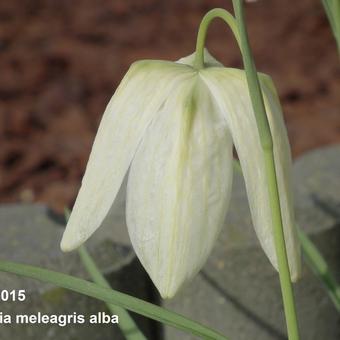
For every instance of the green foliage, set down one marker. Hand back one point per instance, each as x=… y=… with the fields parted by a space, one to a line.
x=126 y=324
x=111 y=297
x=332 y=9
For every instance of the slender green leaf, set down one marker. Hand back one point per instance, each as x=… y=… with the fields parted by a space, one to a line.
x=320 y=268
x=112 y=297
x=126 y=323
x=332 y=9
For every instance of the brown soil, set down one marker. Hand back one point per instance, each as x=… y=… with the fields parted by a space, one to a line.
x=60 y=62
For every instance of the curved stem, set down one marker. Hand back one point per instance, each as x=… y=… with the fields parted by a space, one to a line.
x=238 y=27
x=238 y=31
x=252 y=79
x=267 y=145
x=202 y=32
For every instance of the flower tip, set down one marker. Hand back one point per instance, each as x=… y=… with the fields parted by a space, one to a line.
x=167 y=294
x=65 y=246
x=168 y=289
x=295 y=278
x=68 y=244
x=296 y=275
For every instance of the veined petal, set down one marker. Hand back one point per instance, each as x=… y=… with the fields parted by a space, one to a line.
x=133 y=106
x=179 y=187
x=230 y=91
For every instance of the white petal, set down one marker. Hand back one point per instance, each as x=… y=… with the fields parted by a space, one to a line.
x=229 y=88
x=179 y=187
x=129 y=112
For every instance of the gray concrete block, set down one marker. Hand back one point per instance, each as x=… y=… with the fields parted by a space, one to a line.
x=31 y=234
x=237 y=292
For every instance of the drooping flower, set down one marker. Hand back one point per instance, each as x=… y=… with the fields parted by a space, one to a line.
x=172 y=128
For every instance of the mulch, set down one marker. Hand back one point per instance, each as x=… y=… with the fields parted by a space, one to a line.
x=60 y=62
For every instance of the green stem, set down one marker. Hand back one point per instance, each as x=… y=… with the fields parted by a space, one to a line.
x=241 y=35
x=202 y=32
x=267 y=145
x=281 y=253
x=252 y=79
x=255 y=92
x=240 y=32
x=112 y=297
x=126 y=323
x=242 y=40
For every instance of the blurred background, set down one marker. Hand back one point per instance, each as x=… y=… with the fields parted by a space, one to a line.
x=60 y=62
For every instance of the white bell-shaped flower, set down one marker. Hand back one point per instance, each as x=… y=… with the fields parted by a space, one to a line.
x=173 y=127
